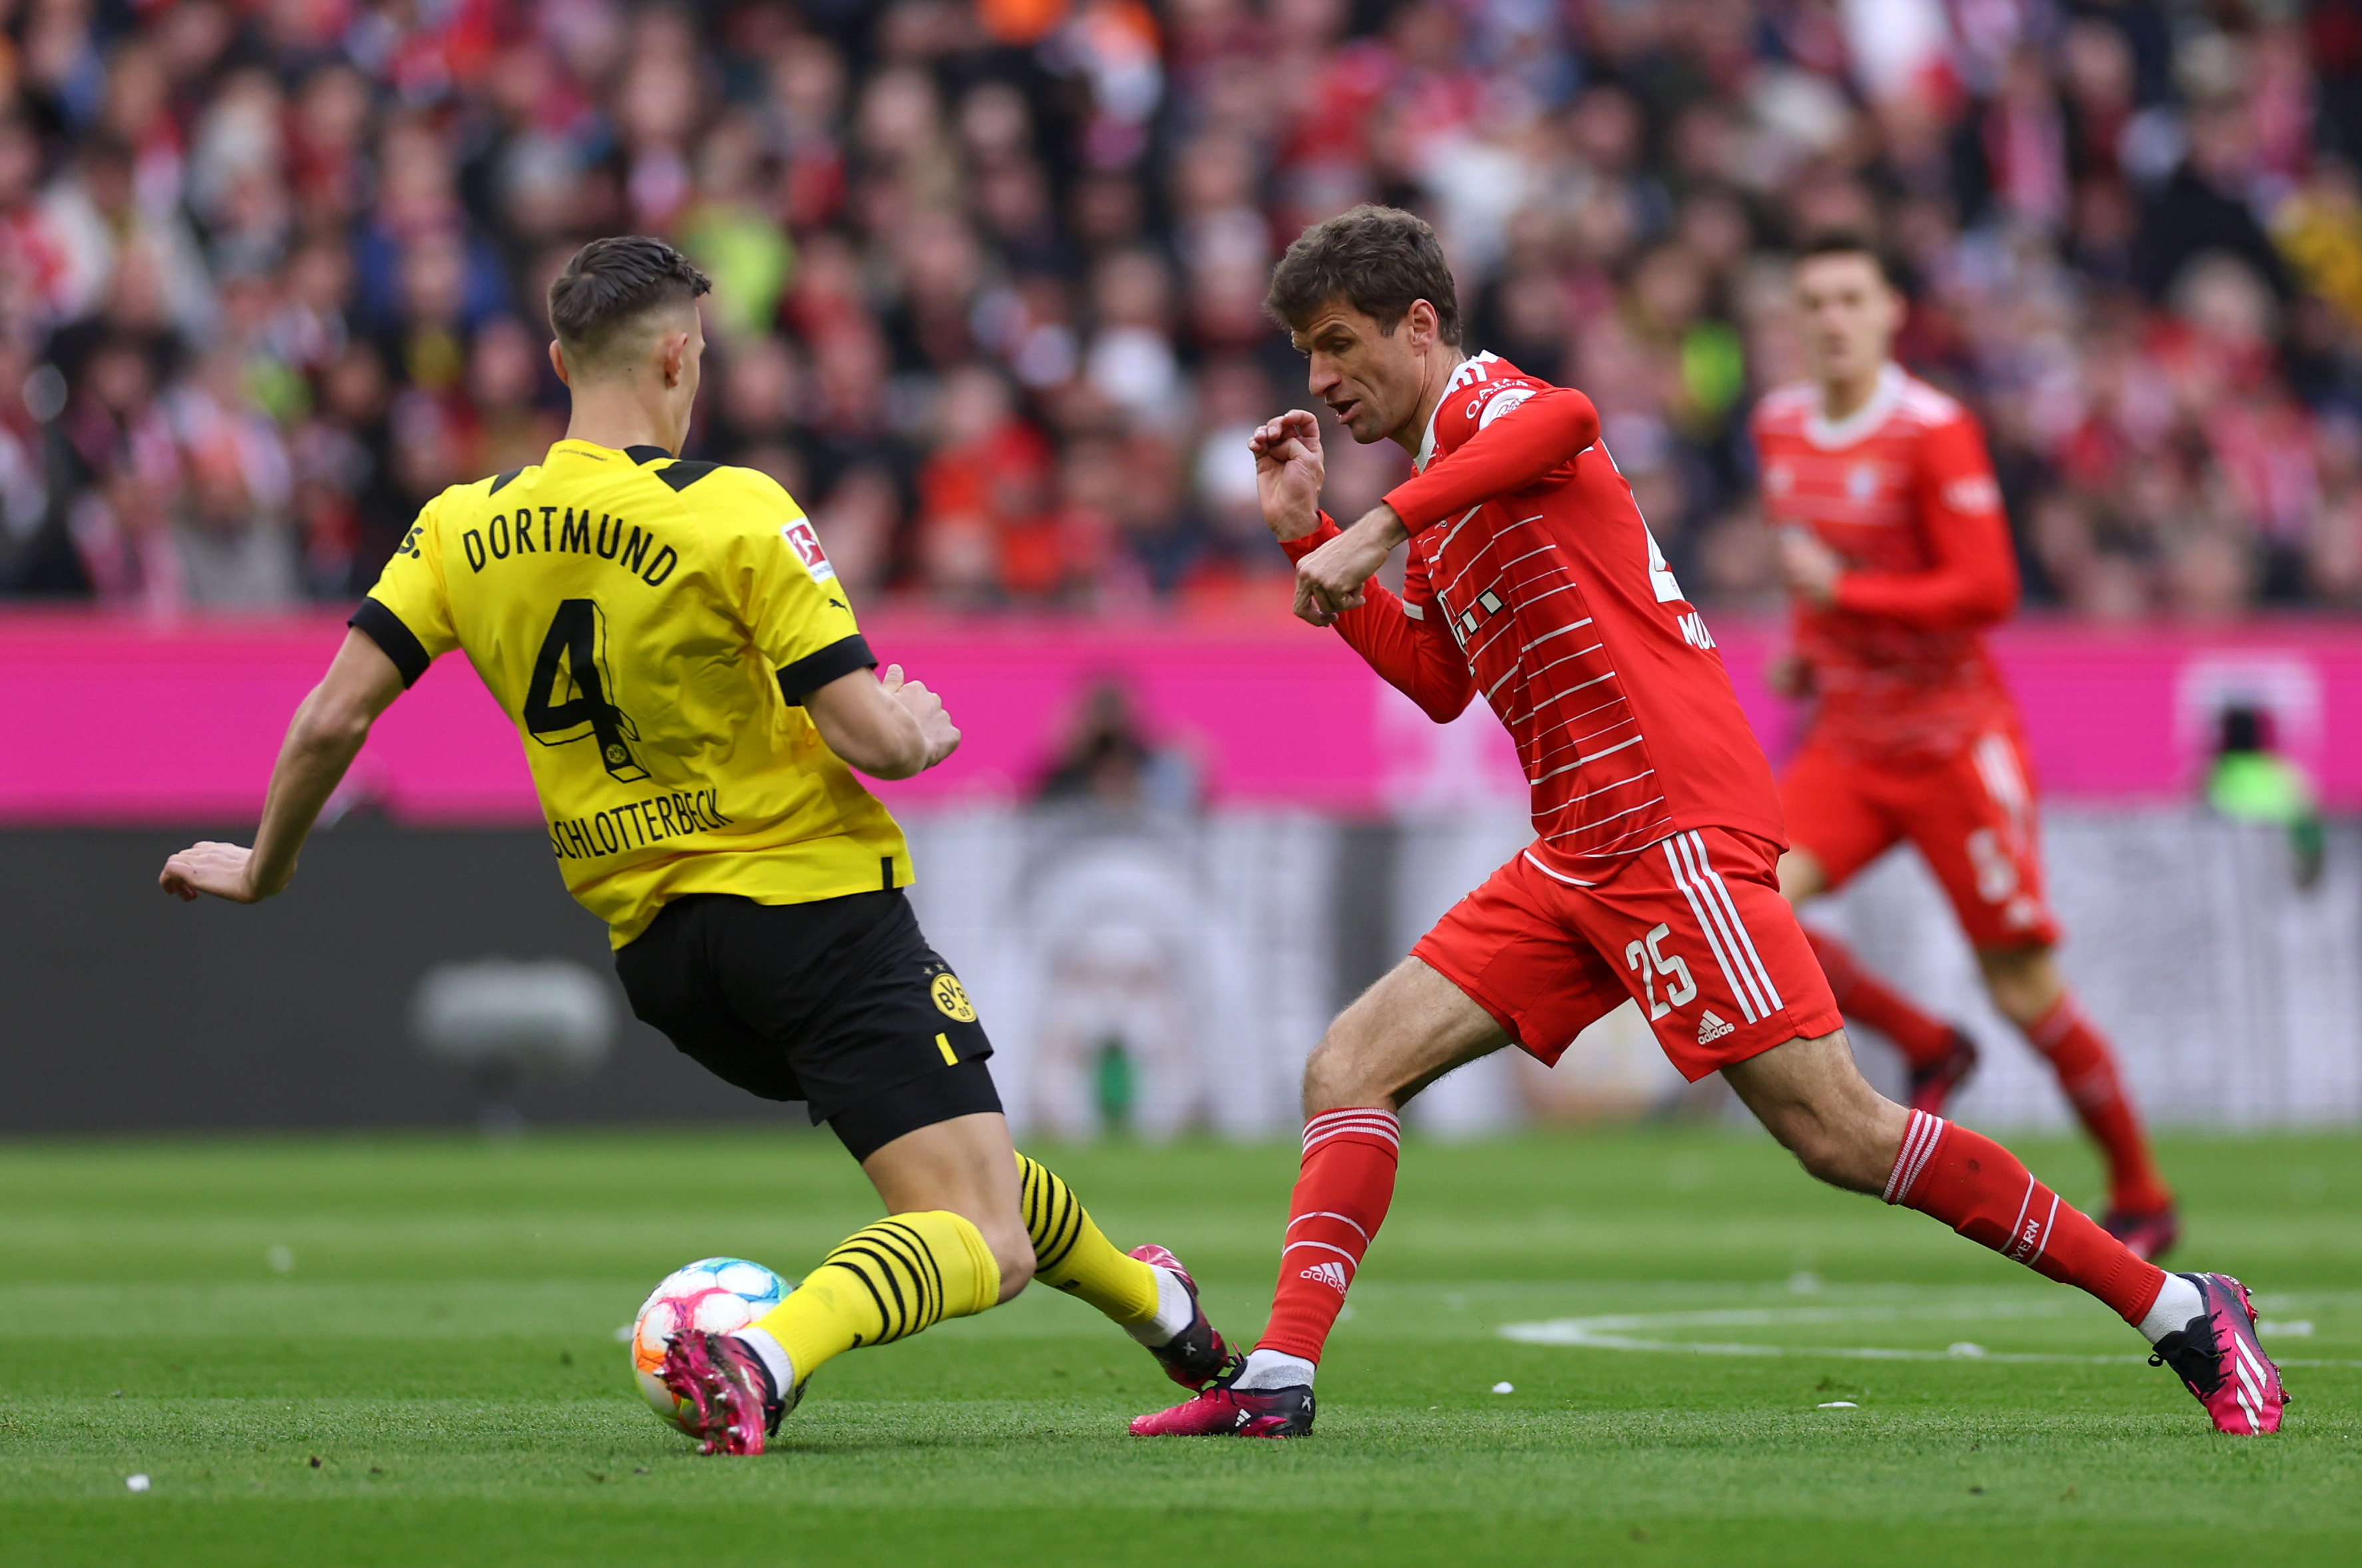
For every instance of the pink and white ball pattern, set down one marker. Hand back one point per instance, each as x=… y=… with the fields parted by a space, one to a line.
x=711 y=1296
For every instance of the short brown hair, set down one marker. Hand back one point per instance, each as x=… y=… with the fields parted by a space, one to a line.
x=1380 y=260
x=1851 y=242
x=611 y=283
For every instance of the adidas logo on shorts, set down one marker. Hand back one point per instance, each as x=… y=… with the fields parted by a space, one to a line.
x=1329 y=1274
x=1711 y=1029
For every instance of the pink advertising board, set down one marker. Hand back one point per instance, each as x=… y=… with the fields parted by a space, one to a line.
x=116 y=720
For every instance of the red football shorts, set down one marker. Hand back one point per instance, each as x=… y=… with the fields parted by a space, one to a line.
x=1970 y=815
x=1693 y=928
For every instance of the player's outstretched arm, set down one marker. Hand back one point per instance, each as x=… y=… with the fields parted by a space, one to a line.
x=327 y=734
x=883 y=725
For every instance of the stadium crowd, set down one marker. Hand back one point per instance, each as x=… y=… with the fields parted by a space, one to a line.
x=989 y=277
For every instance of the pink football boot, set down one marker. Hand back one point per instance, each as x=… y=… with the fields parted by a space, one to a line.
x=2218 y=1358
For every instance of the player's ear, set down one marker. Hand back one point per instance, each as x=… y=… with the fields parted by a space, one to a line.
x=558 y=363
x=1425 y=326
x=672 y=355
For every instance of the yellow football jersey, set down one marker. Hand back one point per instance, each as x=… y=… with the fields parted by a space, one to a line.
x=652 y=628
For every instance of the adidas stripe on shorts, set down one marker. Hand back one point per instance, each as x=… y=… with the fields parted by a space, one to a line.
x=1693 y=928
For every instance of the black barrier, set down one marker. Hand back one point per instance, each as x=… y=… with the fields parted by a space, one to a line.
x=121 y=1008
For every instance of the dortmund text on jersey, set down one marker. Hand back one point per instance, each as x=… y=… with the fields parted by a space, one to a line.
x=652 y=628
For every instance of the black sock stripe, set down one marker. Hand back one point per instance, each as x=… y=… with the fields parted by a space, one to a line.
x=880 y=1265
x=1029 y=1178
x=852 y=1266
x=926 y=1270
x=918 y=1264
x=1039 y=1189
x=934 y=1274
x=1066 y=1229
x=896 y=1269
x=877 y=1279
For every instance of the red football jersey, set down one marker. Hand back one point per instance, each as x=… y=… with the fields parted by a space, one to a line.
x=1533 y=579
x=1902 y=492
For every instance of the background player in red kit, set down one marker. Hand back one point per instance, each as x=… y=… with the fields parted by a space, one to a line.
x=1894 y=546
x=1533 y=582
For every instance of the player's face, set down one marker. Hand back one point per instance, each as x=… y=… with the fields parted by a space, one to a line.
x=1370 y=379
x=1848 y=313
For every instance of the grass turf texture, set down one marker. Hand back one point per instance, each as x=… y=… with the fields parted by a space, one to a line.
x=436 y=1379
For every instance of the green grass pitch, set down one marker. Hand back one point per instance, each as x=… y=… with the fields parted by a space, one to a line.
x=437 y=1379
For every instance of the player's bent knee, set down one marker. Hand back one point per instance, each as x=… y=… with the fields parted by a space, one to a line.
x=1015 y=1257
x=1341 y=1072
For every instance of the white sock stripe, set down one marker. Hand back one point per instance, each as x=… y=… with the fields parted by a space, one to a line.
x=1326 y=1214
x=1901 y=1159
x=1927 y=1151
x=2044 y=1244
x=2017 y=1224
x=1339 y=1118
x=1754 y=959
x=1339 y=1123
x=1920 y=1138
x=1389 y=1131
x=1325 y=1247
x=1385 y=1131
x=1918 y=1147
x=1747 y=1008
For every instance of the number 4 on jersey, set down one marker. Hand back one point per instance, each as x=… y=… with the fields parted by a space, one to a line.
x=568 y=698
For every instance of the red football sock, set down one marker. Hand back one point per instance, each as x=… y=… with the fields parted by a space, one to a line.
x=2087 y=1071
x=1923 y=1040
x=1980 y=1189
x=1341 y=1200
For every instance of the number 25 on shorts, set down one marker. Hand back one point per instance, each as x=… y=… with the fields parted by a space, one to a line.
x=1650 y=960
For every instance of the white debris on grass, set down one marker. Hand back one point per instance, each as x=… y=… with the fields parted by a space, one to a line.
x=1505 y=1388
x=136 y=1482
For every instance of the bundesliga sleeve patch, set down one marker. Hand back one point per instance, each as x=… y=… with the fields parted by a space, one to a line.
x=1502 y=403
x=805 y=541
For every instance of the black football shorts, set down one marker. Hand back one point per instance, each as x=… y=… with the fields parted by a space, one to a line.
x=839 y=1002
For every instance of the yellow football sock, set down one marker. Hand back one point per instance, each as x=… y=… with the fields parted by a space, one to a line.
x=884 y=1282
x=1071 y=1254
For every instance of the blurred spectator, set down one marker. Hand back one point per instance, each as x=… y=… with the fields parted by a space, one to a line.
x=1107 y=761
x=990 y=278
x=2251 y=782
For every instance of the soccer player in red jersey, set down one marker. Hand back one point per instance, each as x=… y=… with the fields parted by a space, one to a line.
x=1533 y=582
x=1895 y=549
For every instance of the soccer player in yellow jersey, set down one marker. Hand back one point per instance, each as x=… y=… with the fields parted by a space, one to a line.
x=694 y=696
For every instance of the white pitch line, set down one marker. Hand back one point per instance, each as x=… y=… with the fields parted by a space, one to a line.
x=1615 y=1332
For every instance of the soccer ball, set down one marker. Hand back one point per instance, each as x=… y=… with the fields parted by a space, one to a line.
x=712 y=1296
